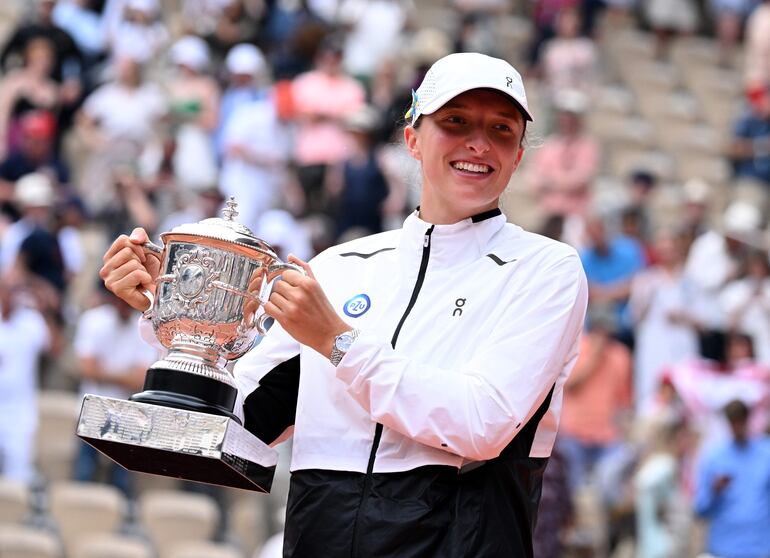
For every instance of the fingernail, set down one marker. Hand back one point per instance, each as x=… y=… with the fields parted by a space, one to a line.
x=134 y=236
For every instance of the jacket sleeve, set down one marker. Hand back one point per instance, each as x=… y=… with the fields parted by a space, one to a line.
x=268 y=383
x=476 y=410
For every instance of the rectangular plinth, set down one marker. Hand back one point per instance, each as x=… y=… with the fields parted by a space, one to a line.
x=177 y=443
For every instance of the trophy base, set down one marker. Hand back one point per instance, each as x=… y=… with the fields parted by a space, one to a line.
x=177 y=443
x=192 y=392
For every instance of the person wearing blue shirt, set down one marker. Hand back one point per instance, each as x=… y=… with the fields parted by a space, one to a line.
x=749 y=149
x=733 y=491
x=610 y=262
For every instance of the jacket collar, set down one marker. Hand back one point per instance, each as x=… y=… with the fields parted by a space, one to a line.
x=453 y=244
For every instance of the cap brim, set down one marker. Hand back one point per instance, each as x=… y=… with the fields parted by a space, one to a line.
x=441 y=100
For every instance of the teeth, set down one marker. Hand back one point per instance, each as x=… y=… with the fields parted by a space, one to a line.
x=472 y=167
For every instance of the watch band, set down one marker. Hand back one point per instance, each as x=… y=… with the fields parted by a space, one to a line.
x=341 y=345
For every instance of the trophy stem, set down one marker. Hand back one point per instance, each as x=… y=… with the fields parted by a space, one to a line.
x=192 y=392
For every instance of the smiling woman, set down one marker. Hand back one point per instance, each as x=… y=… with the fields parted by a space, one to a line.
x=422 y=368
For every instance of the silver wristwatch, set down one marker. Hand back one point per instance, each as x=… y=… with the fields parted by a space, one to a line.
x=342 y=345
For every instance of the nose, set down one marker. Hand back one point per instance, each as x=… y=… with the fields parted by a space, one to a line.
x=477 y=141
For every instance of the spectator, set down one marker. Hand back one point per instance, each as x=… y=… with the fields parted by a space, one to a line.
x=35 y=153
x=697 y=194
x=26 y=89
x=135 y=29
x=256 y=148
x=610 y=263
x=715 y=259
x=375 y=28
x=29 y=245
x=642 y=185
x=562 y=171
x=660 y=302
x=569 y=60
x=84 y=23
x=112 y=360
x=358 y=186
x=729 y=16
x=237 y=23
x=597 y=392
x=746 y=304
x=758 y=51
x=705 y=386
x=662 y=515
x=323 y=97
x=749 y=149
x=669 y=19
x=731 y=492
x=247 y=76
x=24 y=337
x=66 y=64
x=116 y=122
x=193 y=98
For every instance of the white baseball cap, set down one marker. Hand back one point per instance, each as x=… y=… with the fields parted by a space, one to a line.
x=741 y=217
x=190 y=51
x=245 y=59
x=457 y=73
x=34 y=190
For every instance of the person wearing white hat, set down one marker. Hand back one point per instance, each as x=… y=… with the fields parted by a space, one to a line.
x=422 y=368
x=194 y=98
x=717 y=257
x=246 y=68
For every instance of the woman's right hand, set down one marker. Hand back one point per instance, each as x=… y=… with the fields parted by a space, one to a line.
x=128 y=269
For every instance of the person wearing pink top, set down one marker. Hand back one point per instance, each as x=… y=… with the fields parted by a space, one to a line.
x=563 y=169
x=322 y=98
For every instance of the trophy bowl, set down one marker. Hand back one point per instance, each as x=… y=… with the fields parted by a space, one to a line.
x=207 y=310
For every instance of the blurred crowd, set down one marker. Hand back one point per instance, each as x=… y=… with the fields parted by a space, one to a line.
x=650 y=154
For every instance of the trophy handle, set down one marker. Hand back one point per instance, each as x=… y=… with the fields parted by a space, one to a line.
x=267 y=288
x=150 y=246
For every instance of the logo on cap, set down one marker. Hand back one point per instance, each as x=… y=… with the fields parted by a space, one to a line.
x=509 y=82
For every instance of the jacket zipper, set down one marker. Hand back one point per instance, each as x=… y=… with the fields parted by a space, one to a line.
x=378 y=429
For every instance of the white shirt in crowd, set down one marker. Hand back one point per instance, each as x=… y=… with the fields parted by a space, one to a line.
x=115 y=343
x=125 y=113
x=376 y=32
x=24 y=337
x=256 y=187
x=748 y=304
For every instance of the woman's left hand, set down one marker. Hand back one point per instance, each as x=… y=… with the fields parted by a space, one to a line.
x=299 y=304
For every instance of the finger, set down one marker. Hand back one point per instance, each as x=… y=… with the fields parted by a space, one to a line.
x=124 y=242
x=304 y=265
x=283 y=287
x=120 y=281
x=122 y=258
x=281 y=302
x=139 y=236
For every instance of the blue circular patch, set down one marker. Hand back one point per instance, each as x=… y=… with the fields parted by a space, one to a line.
x=357 y=305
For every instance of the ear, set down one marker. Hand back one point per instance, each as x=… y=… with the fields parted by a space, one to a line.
x=519 y=155
x=411 y=138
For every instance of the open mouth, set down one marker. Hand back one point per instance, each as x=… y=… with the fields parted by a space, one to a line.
x=472 y=168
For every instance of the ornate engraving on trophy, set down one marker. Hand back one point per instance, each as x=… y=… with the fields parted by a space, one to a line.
x=194 y=273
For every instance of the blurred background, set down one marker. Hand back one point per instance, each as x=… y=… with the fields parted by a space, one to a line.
x=650 y=154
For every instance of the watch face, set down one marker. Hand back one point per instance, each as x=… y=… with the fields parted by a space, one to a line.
x=343 y=342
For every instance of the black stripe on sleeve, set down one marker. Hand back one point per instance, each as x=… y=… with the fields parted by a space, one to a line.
x=269 y=410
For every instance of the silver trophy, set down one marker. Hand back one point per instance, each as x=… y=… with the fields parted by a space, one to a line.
x=207 y=311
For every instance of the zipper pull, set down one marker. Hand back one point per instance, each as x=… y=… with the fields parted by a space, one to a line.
x=426 y=241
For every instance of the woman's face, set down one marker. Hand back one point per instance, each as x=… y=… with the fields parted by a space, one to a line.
x=469 y=149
